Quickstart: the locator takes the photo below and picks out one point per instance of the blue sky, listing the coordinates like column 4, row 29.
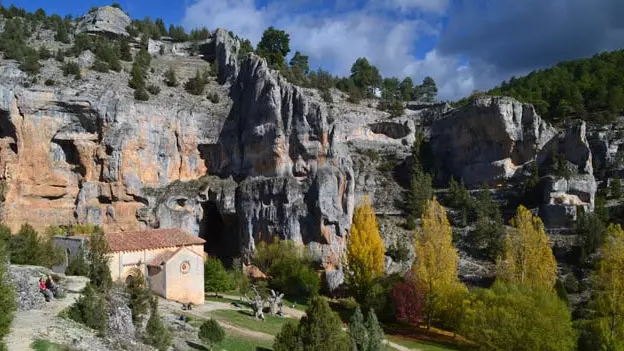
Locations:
column 464, row 44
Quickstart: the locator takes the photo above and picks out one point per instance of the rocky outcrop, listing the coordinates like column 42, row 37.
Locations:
column 25, row 279
column 105, row 20
column 606, row 146
column 226, row 50
column 488, row 140
column 297, row 179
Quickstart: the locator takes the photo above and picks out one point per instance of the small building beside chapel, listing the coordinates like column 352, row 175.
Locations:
column 171, row 260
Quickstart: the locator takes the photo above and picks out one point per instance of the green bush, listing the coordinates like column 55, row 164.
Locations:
column 327, row 96
column 44, row 53
column 139, row 295
column 398, row 252
column 616, row 188
column 100, row 66
column 71, row 67
column 141, row 94
column 90, row 309
column 170, row 77
column 49, row 82
column 196, row 84
column 153, row 89
column 30, row 64
column 319, row 329
column 60, row 56
column 211, row 333
column 7, row 294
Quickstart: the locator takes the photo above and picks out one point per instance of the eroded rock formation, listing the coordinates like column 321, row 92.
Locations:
column 105, row 20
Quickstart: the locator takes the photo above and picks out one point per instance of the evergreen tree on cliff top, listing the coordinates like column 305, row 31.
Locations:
column 274, row 46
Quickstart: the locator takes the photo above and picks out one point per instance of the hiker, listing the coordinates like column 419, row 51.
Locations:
column 51, row 285
column 44, row 290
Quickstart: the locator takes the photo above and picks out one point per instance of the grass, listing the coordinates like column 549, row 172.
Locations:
column 234, row 342
column 244, row 319
column 45, row 345
column 418, row 344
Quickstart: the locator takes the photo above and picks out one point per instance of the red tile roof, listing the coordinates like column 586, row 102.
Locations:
column 151, row 239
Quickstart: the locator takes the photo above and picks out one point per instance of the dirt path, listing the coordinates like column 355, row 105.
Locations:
column 200, row 311
column 28, row 325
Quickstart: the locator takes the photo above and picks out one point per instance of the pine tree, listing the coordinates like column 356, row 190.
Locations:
column 374, row 331
column 140, row 295
column 435, row 267
column 137, row 80
column 489, row 228
column 156, row 333
column 616, row 188
column 170, row 77
column 319, row 329
column 211, row 333
column 357, row 330
column 99, row 272
column 527, row 258
column 421, row 188
column 124, row 50
column 365, row 249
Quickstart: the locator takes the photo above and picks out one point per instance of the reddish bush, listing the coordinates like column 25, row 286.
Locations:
column 408, row 302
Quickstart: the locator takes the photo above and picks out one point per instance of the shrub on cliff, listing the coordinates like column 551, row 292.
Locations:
column 89, row 309
column 7, row 296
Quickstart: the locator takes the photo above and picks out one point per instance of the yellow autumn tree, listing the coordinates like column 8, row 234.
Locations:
column 435, row 266
column 608, row 302
column 365, row 249
column 527, row 257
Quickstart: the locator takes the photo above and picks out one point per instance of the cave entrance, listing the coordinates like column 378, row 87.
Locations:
column 220, row 232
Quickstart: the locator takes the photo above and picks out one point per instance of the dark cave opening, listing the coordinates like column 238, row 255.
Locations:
column 7, row 129
column 71, row 154
column 220, row 232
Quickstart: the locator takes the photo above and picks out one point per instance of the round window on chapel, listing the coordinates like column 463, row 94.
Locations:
column 185, row 267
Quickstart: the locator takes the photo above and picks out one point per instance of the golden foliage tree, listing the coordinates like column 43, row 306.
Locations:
column 609, row 288
column 365, row 249
column 527, row 257
column 435, row 267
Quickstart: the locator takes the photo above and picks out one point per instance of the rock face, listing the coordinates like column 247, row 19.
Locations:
column 105, row 20
column 488, row 140
column 297, row 179
column 26, row 282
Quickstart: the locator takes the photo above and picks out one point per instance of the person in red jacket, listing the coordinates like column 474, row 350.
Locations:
column 42, row 288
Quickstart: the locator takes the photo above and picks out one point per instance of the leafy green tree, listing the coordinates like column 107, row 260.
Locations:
column 216, row 278
column 406, row 89
column 365, row 76
column 98, row 257
column 529, row 318
column 177, row 33
column 320, row 329
column 274, row 46
column 156, row 333
column 301, row 62
column 7, row 293
column 211, row 333
column 427, row 91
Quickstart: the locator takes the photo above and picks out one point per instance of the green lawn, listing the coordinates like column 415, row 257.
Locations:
column 287, row 303
column 244, row 319
column 419, row 345
column 45, row 345
column 235, row 342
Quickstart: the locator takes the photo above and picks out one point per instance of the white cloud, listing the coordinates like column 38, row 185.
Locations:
column 438, row 7
column 335, row 41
